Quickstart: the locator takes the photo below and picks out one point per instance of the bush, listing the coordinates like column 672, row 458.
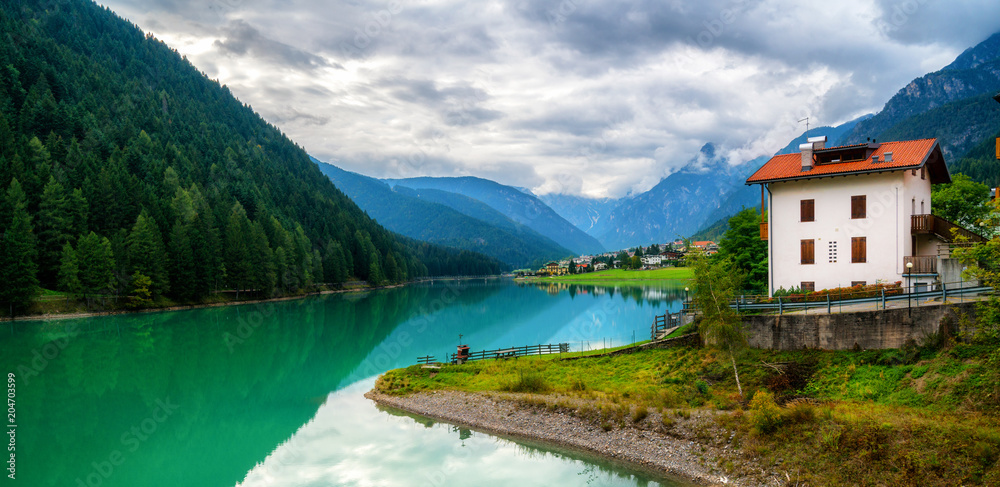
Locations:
column 640, row 414
column 530, row 382
column 764, row 413
column 702, row 386
column 800, row 412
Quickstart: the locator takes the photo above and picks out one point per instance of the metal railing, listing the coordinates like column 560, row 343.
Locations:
column 784, row 304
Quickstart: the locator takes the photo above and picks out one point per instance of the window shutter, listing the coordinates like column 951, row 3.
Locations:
column 808, row 252
column 858, row 207
column 859, row 250
column 807, row 210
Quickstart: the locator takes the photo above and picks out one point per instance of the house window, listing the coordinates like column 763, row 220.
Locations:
column 807, row 210
column 859, row 250
column 808, row 252
column 859, row 283
column 859, row 208
column 808, row 286
column 832, row 252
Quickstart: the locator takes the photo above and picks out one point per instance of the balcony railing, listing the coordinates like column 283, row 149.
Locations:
column 763, row 230
column 922, row 264
column 932, row 224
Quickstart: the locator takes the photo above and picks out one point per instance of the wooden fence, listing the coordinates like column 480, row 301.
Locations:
column 514, row 352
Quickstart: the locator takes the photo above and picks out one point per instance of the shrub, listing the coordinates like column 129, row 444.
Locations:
column 578, row 385
column 800, row 412
column 530, row 382
column 702, row 386
column 764, row 413
column 639, row 414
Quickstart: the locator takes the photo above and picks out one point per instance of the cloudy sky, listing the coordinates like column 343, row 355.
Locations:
column 571, row 96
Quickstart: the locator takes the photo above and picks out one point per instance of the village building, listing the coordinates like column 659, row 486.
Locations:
column 652, row 260
column 856, row 214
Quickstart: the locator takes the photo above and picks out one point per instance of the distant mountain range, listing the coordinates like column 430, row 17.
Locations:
column 522, row 207
column 952, row 105
column 446, row 218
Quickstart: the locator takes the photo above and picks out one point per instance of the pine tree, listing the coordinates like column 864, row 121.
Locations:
column 261, row 261
column 18, row 268
column 54, row 229
column 238, row 264
column 146, row 253
column 334, row 266
column 182, row 268
column 69, row 270
column 96, row 262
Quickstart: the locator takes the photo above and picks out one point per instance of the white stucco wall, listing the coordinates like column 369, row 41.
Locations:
column 891, row 197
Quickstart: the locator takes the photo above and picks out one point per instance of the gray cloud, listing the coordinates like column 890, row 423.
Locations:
column 529, row 92
column 242, row 39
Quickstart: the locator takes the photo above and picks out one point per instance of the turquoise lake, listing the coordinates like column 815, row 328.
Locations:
column 270, row 394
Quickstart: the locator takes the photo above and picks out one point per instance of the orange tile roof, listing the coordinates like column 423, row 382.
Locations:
column 909, row 154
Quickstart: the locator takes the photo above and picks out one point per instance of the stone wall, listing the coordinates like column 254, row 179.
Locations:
column 891, row 328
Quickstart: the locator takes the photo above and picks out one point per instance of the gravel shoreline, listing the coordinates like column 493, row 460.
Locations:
column 690, row 449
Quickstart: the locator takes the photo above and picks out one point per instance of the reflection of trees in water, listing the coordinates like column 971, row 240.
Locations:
column 654, row 294
column 245, row 378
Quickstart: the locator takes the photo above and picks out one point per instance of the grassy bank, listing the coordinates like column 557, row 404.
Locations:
column 918, row 416
column 622, row 276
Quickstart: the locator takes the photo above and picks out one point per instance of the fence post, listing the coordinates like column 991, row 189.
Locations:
column 944, row 293
column 828, row 309
column 883, row 299
column 781, row 309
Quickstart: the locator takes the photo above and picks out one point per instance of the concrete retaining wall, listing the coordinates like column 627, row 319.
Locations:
column 891, row 328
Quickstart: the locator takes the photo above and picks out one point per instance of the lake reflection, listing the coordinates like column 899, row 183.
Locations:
column 214, row 396
column 421, row 453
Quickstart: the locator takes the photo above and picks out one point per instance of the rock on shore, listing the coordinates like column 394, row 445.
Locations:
column 691, row 448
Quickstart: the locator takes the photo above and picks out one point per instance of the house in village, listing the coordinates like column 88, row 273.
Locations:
column 708, row 246
column 856, row 214
column 652, row 260
column 554, row 269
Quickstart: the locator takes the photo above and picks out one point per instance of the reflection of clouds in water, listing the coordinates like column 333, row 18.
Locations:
column 350, row 442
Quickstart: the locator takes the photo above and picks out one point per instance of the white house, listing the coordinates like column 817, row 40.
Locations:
column 651, row 259
column 856, row 214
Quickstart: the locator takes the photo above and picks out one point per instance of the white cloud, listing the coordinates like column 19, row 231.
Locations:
column 599, row 98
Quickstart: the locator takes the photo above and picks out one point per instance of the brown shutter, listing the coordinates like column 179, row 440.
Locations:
column 808, row 252
column 858, row 207
column 807, row 210
column 859, row 250
column 808, row 286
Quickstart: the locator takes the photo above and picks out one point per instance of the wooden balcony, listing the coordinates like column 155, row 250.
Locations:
column 922, row 264
column 935, row 225
column 763, row 230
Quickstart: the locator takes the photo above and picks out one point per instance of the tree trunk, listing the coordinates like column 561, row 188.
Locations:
column 735, row 372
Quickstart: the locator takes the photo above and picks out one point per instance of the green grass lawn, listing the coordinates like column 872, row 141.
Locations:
column 623, row 276
column 917, row 416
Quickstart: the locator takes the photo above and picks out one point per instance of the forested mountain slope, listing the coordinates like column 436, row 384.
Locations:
column 120, row 162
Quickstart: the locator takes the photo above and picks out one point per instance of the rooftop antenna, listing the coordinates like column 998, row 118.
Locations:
column 806, row 120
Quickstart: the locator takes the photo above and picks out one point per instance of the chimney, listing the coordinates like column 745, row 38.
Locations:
column 818, row 142
column 887, row 156
column 807, row 156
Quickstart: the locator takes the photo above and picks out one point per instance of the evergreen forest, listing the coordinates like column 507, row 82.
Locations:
column 126, row 172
